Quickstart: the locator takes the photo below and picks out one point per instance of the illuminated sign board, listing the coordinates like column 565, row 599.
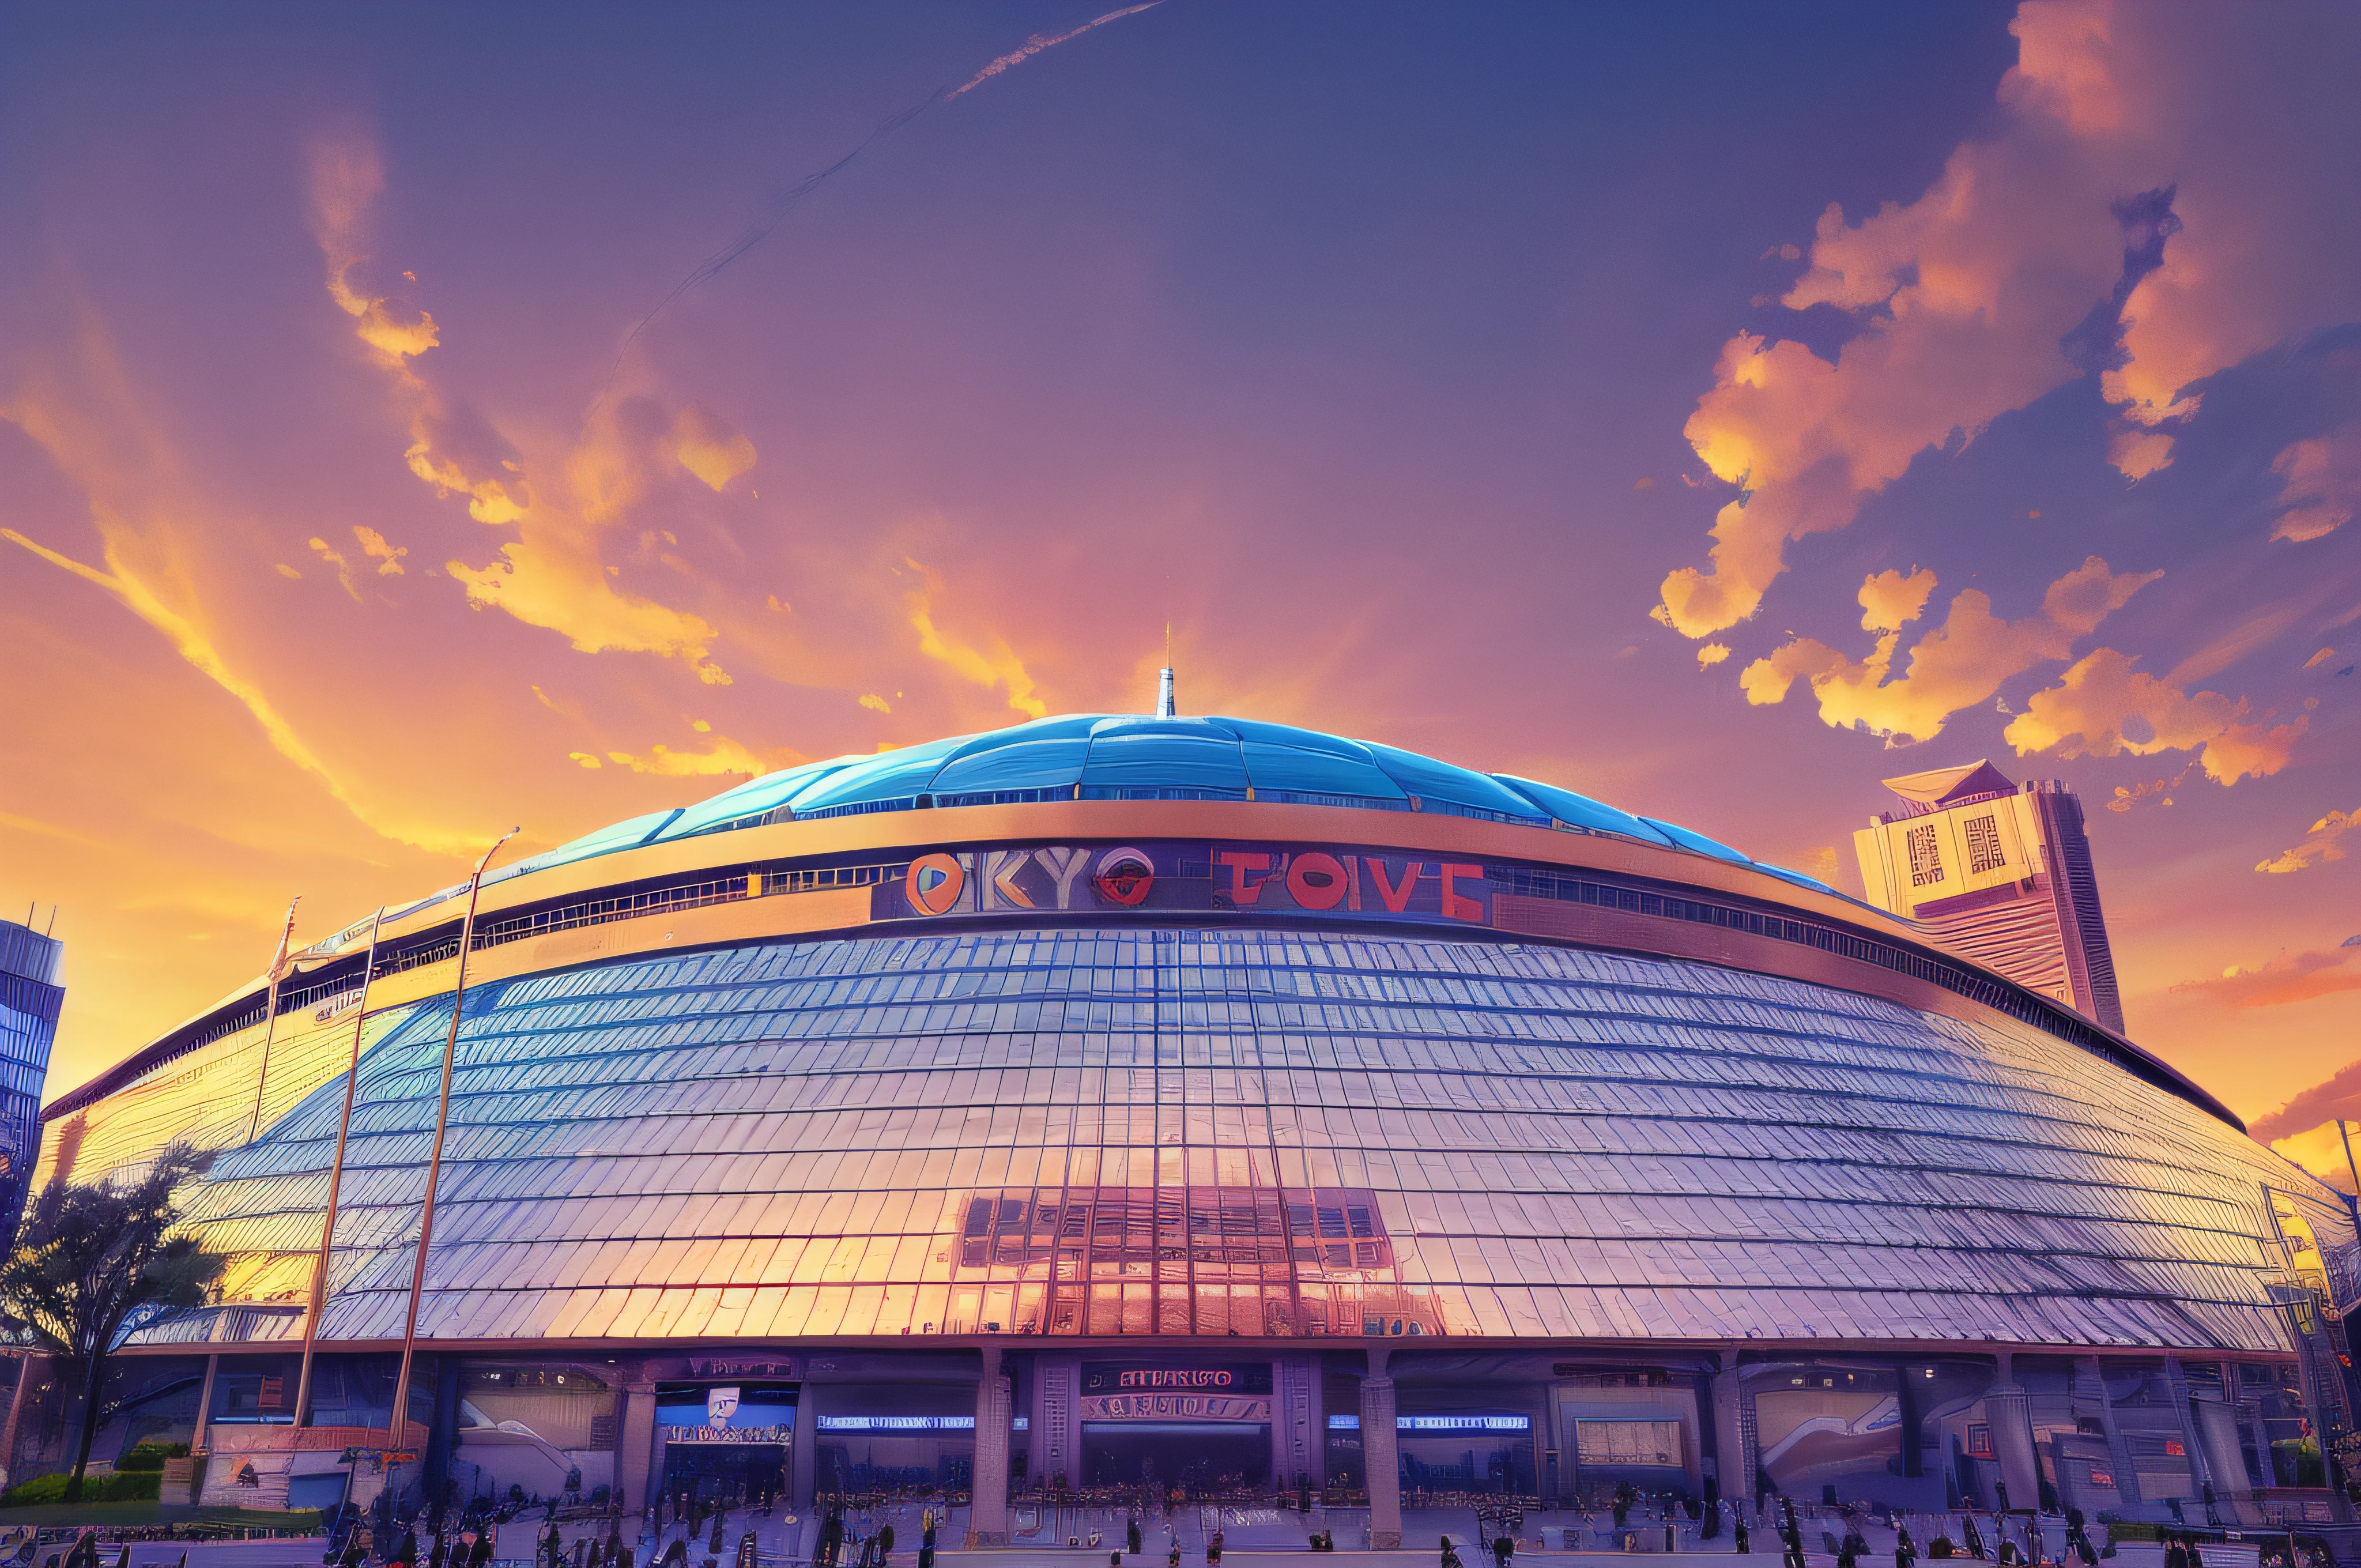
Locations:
column 1123, row 1376
column 1441, row 1423
column 1130, row 1391
column 726, row 1413
column 1159, row 875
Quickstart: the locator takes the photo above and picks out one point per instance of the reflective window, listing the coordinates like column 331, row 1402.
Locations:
column 1165, row 1132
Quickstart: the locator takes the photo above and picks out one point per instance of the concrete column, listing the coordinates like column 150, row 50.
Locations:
column 803, row 1455
column 636, row 1448
column 1733, row 1466
column 2010, row 1410
column 1557, row 1472
column 205, row 1406
column 1295, row 1447
column 2216, row 1427
column 2119, row 1452
column 988, row 1516
column 1381, row 1463
column 1057, row 1431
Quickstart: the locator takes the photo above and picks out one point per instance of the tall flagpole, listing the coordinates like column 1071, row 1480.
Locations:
column 271, row 1016
column 397, row 1417
column 336, row 1180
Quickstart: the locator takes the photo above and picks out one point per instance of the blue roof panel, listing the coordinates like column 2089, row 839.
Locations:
column 1180, row 754
column 1281, row 758
column 1581, row 811
column 1431, row 779
column 1685, row 839
column 888, row 775
column 1046, row 754
column 1135, row 756
column 607, row 840
column 752, row 798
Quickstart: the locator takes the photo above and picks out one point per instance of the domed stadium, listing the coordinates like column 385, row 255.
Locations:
column 1216, row 1107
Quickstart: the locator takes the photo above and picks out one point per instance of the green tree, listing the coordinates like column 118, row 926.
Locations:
column 94, row 1263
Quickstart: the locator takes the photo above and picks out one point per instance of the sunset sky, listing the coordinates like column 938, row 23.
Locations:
column 416, row 423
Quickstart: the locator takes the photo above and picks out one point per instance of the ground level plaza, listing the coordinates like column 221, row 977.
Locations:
column 1380, row 1438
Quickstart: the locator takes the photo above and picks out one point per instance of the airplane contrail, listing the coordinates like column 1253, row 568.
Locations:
column 787, row 201
column 1037, row 43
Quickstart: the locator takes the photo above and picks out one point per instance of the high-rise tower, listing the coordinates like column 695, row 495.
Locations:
column 2001, row 873
column 29, row 999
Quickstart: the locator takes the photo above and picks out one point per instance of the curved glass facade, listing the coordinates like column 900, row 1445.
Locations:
column 1109, row 1100
column 1189, row 1131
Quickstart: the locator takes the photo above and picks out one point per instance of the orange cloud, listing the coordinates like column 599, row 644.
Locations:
column 328, row 554
column 196, row 646
column 2290, row 978
column 1890, row 600
column 994, row 665
column 2103, row 707
column 726, row 756
column 387, row 556
column 1964, row 297
column 552, row 575
column 2338, row 1096
column 2322, row 844
column 345, row 178
column 1958, row 665
column 709, row 449
column 2321, row 484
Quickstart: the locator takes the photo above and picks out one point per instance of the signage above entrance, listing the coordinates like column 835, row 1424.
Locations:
column 1441, row 1423
column 1252, row 1408
column 1127, row 1376
column 737, row 1413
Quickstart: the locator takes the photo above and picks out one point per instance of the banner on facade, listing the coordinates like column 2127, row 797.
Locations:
column 1251, row 1407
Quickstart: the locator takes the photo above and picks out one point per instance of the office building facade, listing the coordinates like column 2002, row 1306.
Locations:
column 2000, row 874
column 31, row 994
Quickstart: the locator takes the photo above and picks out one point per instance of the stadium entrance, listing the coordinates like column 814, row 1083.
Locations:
column 1202, row 1431
column 725, row 1442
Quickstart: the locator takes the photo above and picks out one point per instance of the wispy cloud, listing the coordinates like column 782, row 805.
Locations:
column 2289, row 978
column 2321, row 484
column 552, row 574
column 196, row 646
column 2324, row 843
column 723, row 756
column 2338, row 1095
column 993, row 664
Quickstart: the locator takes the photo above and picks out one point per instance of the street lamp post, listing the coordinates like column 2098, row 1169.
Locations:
column 395, row 1418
